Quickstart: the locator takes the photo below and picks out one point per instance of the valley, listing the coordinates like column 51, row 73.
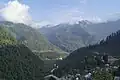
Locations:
column 59, row 40
column 28, row 46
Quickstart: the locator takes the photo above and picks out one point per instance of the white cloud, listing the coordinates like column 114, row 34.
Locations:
column 16, row 12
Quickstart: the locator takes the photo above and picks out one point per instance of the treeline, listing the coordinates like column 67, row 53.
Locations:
column 17, row 62
column 75, row 60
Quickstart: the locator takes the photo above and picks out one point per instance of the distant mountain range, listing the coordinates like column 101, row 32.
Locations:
column 70, row 37
column 102, row 30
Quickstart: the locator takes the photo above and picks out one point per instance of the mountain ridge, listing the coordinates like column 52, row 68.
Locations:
column 68, row 37
column 31, row 38
column 82, row 32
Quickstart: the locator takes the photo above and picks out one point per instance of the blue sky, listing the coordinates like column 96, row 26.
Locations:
column 57, row 11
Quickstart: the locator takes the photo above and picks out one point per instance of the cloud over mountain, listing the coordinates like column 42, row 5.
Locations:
column 16, row 12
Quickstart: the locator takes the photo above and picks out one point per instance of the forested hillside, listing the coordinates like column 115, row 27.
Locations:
column 17, row 62
column 76, row 59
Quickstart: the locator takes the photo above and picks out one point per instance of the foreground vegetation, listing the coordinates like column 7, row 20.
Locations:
column 17, row 62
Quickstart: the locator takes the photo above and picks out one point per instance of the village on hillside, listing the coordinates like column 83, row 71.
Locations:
column 107, row 69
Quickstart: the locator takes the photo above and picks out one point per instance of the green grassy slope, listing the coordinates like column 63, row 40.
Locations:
column 31, row 38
